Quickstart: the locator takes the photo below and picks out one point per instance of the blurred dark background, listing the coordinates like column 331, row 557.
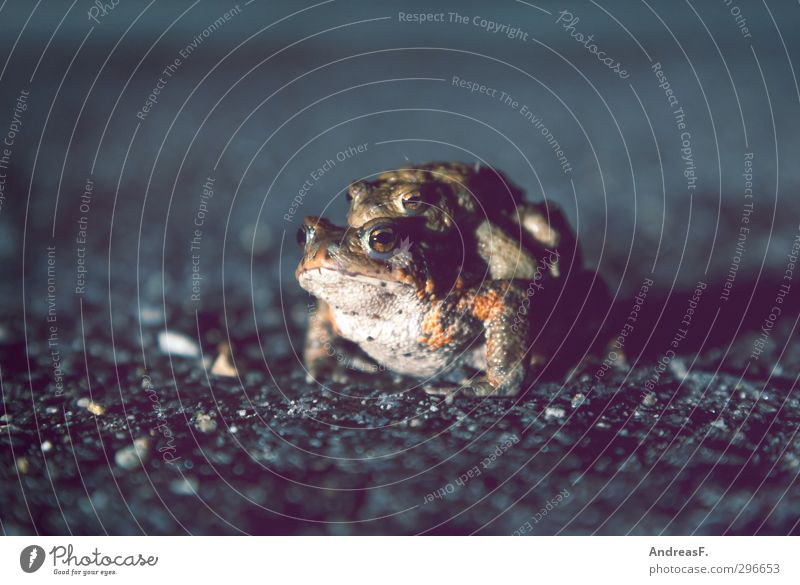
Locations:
column 271, row 94
column 261, row 94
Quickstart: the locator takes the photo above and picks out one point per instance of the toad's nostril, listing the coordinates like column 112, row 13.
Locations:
column 305, row 234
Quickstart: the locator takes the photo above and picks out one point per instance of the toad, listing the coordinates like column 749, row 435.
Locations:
column 484, row 209
column 392, row 296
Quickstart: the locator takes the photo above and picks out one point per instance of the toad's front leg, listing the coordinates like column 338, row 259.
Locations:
column 502, row 310
column 329, row 357
column 547, row 224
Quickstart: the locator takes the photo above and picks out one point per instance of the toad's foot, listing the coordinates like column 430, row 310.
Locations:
column 478, row 387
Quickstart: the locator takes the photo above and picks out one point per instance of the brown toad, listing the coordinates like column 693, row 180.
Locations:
column 481, row 205
column 389, row 298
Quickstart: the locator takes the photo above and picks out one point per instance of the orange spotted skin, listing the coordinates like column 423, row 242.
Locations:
column 435, row 335
column 487, row 306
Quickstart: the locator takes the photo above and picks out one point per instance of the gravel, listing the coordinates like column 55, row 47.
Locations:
column 176, row 449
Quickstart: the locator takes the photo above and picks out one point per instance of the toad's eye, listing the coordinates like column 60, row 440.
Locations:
column 304, row 235
column 382, row 239
column 412, row 200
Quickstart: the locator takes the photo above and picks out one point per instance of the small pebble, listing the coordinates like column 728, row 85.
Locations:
column 178, row 344
column 132, row 456
column 47, row 446
column 577, row 400
column 719, row 424
column 91, row 406
column 650, row 399
column 95, row 408
column 185, row 486
column 223, row 365
column 150, row 315
column 678, row 369
column 22, row 465
column 554, row 412
column 205, row 424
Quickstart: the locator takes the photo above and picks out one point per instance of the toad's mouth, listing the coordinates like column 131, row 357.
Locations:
column 353, row 292
column 314, row 276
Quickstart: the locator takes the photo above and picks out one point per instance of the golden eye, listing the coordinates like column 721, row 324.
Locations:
column 382, row 239
column 412, row 200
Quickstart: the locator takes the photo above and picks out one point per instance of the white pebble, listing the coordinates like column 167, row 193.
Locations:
column 678, row 369
column 185, row 486
column 719, row 424
column 132, row 456
column 205, row 424
column 177, row 344
column 554, row 412
column 150, row 315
